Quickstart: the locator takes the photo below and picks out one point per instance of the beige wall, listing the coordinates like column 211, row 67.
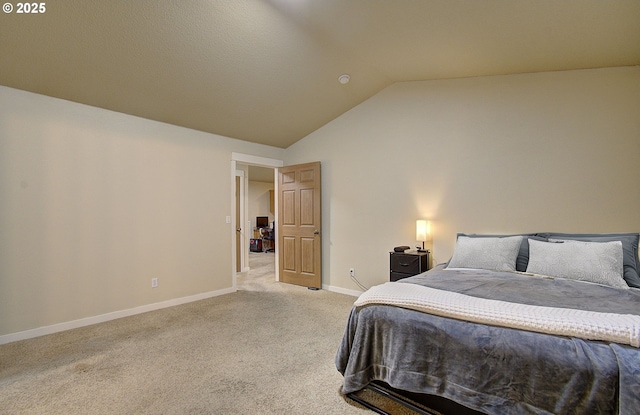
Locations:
column 93, row 204
column 535, row 152
column 259, row 201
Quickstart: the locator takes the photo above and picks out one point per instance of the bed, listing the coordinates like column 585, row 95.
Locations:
column 544, row 323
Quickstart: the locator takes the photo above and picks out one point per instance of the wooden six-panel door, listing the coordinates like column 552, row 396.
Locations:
column 299, row 225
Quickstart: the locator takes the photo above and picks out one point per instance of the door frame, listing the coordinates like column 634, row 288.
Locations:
column 240, row 210
column 248, row 159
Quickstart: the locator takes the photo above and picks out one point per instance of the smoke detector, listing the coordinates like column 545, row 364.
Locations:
column 344, row 79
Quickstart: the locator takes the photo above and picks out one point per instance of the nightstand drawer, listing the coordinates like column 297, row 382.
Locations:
column 406, row 264
column 395, row 276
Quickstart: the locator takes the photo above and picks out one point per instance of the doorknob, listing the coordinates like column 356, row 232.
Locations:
column 238, row 229
column 316, row 232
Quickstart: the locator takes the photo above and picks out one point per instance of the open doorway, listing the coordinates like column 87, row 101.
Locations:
column 255, row 208
column 260, row 205
column 257, row 205
column 297, row 213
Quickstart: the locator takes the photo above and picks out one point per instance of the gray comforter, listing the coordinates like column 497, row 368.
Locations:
column 493, row 369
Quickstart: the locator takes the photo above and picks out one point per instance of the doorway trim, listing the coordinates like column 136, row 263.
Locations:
column 240, row 210
column 248, row 159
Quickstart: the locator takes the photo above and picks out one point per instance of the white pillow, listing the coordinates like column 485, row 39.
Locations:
column 599, row 262
column 497, row 254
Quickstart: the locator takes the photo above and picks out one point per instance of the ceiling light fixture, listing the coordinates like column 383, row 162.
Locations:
column 344, row 79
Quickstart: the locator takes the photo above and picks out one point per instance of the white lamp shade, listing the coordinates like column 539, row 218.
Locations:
column 422, row 230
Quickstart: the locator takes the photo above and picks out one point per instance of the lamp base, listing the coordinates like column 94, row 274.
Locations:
column 421, row 249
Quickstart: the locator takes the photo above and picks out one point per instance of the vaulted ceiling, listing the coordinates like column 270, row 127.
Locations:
column 267, row 71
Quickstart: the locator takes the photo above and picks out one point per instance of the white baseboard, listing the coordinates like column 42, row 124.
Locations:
column 353, row 293
column 74, row 324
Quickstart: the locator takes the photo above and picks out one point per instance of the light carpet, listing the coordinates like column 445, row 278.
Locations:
column 267, row 349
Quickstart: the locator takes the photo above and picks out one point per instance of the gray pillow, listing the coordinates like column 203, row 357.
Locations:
column 523, row 255
column 631, row 263
column 497, row 254
column 599, row 262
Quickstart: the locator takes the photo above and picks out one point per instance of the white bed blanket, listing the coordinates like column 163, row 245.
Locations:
column 590, row 325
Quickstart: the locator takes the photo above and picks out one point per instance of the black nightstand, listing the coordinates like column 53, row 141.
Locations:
column 408, row 263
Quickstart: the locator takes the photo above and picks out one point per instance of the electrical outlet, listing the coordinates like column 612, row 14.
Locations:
column 352, row 272
column 154, row 283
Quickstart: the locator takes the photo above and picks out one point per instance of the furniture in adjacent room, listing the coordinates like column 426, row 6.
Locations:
column 255, row 244
column 268, row 239
column 262, row 222
column 263, row 236
column 407, row 264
